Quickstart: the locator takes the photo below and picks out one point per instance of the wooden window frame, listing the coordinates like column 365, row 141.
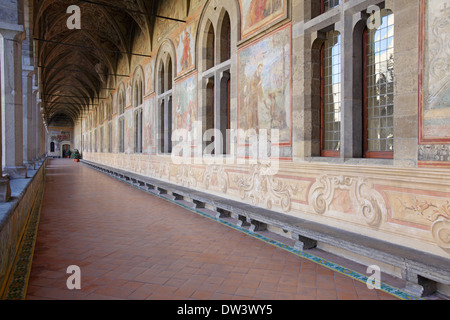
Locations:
column 366, row 153
column 324, row 153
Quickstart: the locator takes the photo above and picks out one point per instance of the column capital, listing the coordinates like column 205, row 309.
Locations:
column 14, row 32
column 28, row 70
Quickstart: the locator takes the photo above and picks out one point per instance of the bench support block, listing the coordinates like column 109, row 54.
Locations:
column 198, row 204
column 420, row 286
column 242, row 222
column 222, row 213
column 303, row 243
column 257, row 226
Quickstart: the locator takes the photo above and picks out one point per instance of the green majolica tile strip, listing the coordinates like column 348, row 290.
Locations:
column 330, row 265
column 17, row 286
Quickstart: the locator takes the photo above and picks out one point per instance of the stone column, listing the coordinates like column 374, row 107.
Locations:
column 12, row 102
column 27, row 75
column 34, row 118
column 41, row 137
column 345, row 28
column 5, row 189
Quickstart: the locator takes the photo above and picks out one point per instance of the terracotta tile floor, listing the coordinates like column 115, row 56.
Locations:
column 131, row 245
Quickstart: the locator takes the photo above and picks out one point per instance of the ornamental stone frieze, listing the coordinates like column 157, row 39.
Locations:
column 216, row 176
column 262, row 188
column 187, row 176
column 434, row 153
column 367, row 201
column 431, row 212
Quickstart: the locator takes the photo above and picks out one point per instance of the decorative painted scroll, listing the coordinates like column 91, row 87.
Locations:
column 266, row 189
column 361, row 197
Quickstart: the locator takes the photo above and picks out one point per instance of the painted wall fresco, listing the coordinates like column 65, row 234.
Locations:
column 436, row 99
column 265, row 85
column 148, row 71
column 129, row 131
column 259, row 13
column 185, row 46
column 128, row 95
column 176, row 9
column 186, row 105
column 148, row 134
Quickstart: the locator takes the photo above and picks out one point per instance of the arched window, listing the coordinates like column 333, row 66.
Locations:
column 138, row 92
column 225, row 39
column 121, row 109
column 121, row 101
column 102, row 137
column 138, row 130
column 165, row 93
column 330, row 96
column 210, row 85
column 215, row 52
column 378, row 111
column 329, row 4
column 138, row 100
column 95, row 140
column 109, row 114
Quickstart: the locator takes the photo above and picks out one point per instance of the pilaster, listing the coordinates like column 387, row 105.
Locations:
column 12, row 102
column 27, row 76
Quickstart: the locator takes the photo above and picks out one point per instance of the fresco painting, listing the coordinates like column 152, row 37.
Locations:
column 186, row 105
column 185, row 49
column 148, row 71
column 128, row 95
column 129, row 131
column 265, row 85
column 436, row 108
column 149, row 127
column 258, row 13
column 176, row 9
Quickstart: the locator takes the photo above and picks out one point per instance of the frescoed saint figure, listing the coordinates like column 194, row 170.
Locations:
column 186, row 59
column 264, row 86
column 257, row 93
column 256, row 12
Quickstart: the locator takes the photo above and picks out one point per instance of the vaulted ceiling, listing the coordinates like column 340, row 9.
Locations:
column 76, row 65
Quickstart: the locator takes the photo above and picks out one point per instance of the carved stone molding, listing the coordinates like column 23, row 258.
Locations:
column 186, row 176
column 216, row 174
column 434, row 153
column 266, row 189
column 365, row 199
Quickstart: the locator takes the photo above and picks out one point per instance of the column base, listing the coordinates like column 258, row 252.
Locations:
column 36, row 163
column 30, row 165
column 16, row 172
column 5, row 190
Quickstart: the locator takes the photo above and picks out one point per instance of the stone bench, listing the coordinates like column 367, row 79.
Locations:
column 420, row 270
